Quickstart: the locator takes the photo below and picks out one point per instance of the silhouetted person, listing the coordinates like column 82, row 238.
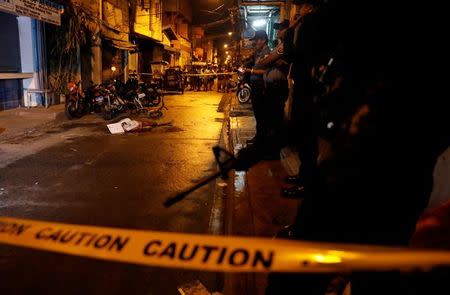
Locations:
column 257, row 85
column 276, row 92
column 302, row 42
column 377, row 180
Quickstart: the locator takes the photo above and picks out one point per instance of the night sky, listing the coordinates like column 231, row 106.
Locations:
column 201, row 8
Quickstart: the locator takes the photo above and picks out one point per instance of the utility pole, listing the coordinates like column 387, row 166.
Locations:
column 96, row 58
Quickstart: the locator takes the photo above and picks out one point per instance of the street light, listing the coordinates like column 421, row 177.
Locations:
column 259, row 22
column 225, row 46
column 230, row 33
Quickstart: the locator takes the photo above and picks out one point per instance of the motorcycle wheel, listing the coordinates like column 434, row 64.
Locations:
column 181, row 87
column 107, row 113
column 244, row 95
column 155, row 101
column 72, row 110
column 97, row 108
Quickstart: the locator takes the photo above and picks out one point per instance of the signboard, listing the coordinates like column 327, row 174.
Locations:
column 42, row 10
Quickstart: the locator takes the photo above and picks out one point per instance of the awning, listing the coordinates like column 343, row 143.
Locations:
column 145, row 43
column 118, row 39
column 171, row 49
column 6, row 76
column 170, row 33
column 120, row 44
column 143, row 38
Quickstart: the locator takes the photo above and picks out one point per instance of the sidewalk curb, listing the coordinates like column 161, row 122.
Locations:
column 254, row 205
column 217, row 217
column 40, row 117
column 236, row 283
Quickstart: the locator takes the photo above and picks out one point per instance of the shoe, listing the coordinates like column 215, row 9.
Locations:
column 293, row 179
column 295, row 192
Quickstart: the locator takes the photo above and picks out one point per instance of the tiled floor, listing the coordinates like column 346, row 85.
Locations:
column 258, row 208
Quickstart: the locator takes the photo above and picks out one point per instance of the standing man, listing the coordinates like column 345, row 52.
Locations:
column 226, row 79
column 303, row 47
column 206, row 78
column 220, row 79
column 212, row 78
column 257, row 84
column 376, row 182
column 277, row 91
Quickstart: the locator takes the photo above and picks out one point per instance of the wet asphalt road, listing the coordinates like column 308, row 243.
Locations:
column 86, row 176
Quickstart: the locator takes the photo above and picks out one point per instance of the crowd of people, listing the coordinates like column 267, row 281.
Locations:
column 357, row 72
column 203, row 78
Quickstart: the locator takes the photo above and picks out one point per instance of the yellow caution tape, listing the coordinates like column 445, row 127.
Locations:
column 208, row 74
column 210, row 253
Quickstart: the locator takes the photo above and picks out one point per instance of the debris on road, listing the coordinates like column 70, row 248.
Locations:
column 122, row 126
column 128, row 125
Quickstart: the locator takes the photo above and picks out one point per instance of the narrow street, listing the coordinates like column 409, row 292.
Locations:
column 81, row 174
column 200, row 147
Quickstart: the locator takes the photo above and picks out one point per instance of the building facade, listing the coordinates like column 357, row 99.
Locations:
column 177, row 21
column 120, row 36
column 22, row 60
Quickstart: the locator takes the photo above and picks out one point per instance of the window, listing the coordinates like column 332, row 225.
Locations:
column 146, row 4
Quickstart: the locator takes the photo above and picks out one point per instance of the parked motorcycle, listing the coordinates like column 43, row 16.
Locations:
column 232, row 83
column 79, row 103
column 113, row 105
column 124, row 97
column 95, row 97
column 113, row 98
column 139, row 93
column 244, row 91
column 75, row 104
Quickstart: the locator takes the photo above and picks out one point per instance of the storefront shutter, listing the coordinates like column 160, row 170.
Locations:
column 10, row 49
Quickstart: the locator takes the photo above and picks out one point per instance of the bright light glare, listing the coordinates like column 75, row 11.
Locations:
column 230, row 33
column 327, row 258
column 225, row 45
column 259, row 22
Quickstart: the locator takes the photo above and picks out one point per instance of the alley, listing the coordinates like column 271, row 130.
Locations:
column 81, row 174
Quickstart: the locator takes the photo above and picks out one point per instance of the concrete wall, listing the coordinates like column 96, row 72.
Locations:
column 184, row 7
column 149, row 22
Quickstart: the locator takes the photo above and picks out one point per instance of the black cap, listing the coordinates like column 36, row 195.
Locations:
column 281, row 25
column 260, row 34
